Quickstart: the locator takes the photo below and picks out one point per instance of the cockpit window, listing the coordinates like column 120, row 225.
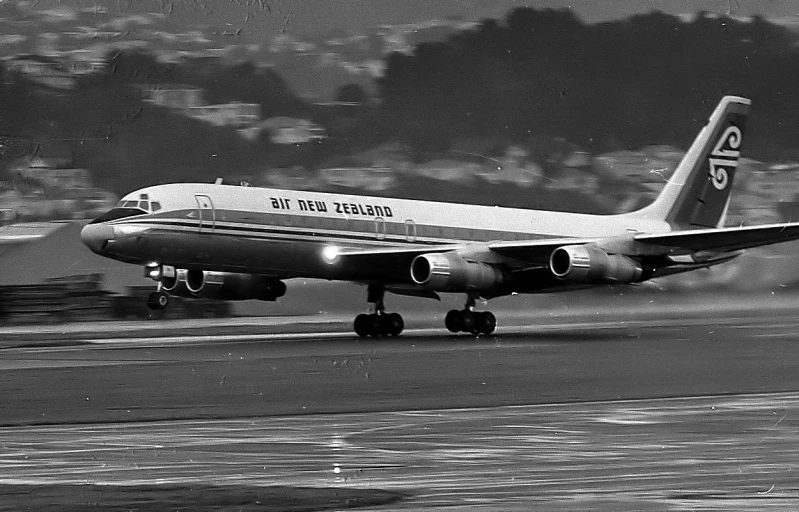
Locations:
column 118, row 213
column 142, row 203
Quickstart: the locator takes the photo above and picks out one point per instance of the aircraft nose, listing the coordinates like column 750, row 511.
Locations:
column 96, row 236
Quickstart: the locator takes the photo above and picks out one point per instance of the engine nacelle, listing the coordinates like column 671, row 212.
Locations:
column 585, row 264
column 174, row 281
column 223, row 285
column 448, row 272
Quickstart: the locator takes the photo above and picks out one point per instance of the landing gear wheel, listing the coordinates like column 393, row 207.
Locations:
column 453, row 320
column 362, row 325
column 468, row 320
column 375, row 323
column 378, row 323
column 486, row 323
column 157, row 300
column 393, row 324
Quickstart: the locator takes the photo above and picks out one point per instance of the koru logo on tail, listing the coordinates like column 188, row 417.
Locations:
column 724, row 158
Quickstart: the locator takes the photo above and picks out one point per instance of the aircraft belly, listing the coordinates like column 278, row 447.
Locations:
column 282, row 258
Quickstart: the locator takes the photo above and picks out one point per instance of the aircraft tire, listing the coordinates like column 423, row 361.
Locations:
column 375, row 325
column 362, row 325
column 468, row 320
column 157, row 300
column 453, row 321
column 486, row 323
column 393, row 324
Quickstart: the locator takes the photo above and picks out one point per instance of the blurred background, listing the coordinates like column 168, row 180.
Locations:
column 571, row 106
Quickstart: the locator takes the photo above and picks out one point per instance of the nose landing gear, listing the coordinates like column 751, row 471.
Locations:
column 468, row 320
column 378, row 323
column 157, row 300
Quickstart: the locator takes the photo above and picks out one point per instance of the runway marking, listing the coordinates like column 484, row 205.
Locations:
column 777, row 335
column 194, row 339
column 503, row 330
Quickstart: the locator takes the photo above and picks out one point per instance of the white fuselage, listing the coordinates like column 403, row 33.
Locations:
column 284, row 233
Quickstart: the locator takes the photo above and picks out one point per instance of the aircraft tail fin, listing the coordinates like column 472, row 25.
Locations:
column 698, row 193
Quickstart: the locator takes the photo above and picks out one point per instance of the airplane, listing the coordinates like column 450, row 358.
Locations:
column 235, row 242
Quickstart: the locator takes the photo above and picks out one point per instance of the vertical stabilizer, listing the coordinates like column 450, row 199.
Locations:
column 698, row 192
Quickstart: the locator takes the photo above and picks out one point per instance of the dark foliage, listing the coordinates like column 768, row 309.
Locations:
column 106, row 126
column 534, row 76
column 649, row 79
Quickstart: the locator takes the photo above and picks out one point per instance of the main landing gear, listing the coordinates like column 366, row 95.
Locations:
column 468, row 320
column 378, row 323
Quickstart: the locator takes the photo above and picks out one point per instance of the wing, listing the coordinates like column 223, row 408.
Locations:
column 721, row 239
column 393, row 263
column 535, row 253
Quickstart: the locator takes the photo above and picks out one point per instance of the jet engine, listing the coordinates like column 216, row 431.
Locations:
column 223, row 285
column 584, row 264
column 448, row 272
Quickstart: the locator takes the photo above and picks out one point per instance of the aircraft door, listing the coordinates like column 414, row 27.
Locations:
column 205, row 213
column 410, row 230
column 380, row 228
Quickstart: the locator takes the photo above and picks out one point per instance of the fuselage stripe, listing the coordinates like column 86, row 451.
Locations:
column 376, row 231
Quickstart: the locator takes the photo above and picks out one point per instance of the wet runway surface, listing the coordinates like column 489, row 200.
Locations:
column 714, row 453
column 695, row 411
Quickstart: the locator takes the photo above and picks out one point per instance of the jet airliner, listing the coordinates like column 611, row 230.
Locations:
column 239, row 243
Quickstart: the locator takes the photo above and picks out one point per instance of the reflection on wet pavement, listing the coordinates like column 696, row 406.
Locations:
column 711, row 453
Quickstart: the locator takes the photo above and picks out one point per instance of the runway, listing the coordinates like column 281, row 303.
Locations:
column 693, row 411
column 714, row 453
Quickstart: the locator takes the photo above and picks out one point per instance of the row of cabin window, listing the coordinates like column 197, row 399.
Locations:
column 382, row 228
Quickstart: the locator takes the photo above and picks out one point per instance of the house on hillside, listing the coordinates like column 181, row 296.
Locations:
column 234, row 114
column 49, row 188
column 290, row 178
column 181, row 97
column 189, row 101
column 455, row 171
column 364, row 178
column 649, row 167
column 50, row 172
column 43, row 71
column 768, row 192
column 514, row 167
column 291, row 130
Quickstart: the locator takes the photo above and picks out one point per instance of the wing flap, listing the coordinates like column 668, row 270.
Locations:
column 535, row 253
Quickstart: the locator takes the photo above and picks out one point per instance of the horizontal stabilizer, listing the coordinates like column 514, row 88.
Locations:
column 723, row 239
